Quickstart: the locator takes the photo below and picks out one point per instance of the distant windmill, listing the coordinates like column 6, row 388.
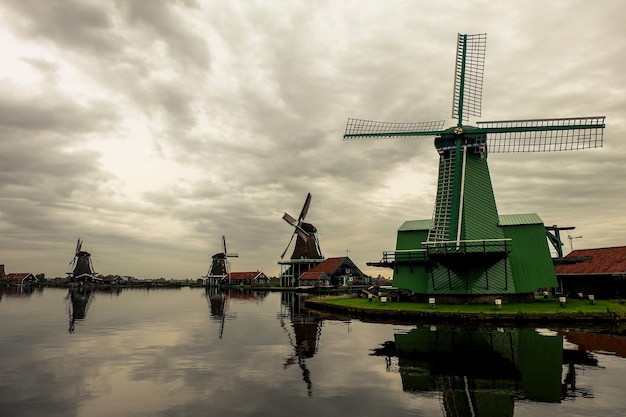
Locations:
column 307, row 242
column 306, row 253
column 220, row 265
column 81, row 263
column 571, row 239
column 466, row 248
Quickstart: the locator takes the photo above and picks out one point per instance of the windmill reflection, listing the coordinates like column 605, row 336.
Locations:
column 304, row 334
column 482, row 372
column 217, row 306
column 79, row 298
column 219, row 298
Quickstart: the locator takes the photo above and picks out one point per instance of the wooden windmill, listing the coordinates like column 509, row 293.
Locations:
column 306, row 252
column 466, row 248
column 82, row 267
column 220, row 266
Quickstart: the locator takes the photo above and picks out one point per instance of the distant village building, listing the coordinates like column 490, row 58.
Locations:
column 600, row 271
column 20, row 278
column 245, row 278
column 110, row 279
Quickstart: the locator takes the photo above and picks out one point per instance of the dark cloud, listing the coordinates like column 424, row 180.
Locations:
column 77, row 24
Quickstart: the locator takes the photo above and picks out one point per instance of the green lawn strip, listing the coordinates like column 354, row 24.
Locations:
column 550, row 306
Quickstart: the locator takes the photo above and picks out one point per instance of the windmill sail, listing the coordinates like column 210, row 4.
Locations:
column 468, row 76
column 358, row 128
column 543, row 135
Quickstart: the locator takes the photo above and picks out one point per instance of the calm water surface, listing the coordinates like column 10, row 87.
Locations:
column 191, row 353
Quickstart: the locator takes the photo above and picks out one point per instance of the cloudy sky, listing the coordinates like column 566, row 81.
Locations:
column 149, row 129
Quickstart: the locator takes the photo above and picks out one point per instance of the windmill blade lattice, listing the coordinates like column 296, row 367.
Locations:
column 79, row 244
column 305, row 208
column 228, row 255
column 544, row 135
column 358, row 128
column 468, row 76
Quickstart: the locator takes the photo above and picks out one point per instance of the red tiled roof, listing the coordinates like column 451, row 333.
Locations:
column 604, row 261
column 312, row 276
column 16, row 277
column 328, row 266
column 241, row 276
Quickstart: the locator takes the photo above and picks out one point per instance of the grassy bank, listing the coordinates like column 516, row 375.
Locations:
column 542, row 310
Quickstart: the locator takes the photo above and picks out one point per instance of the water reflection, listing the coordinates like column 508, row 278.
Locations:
column 483, row 372
column 157, row 353
column 78, row 301
column 18, row 290
column 597, row 342
column 218, row 299
column 303, row 331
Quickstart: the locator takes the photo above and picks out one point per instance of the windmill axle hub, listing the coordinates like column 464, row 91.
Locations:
column 449, row 141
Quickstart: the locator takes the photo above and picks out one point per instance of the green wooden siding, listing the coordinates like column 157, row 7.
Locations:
column 410, row 236
column 531, row 262
column 482, row 277
column 527, row 267
column 480, row 215
column 411, row 239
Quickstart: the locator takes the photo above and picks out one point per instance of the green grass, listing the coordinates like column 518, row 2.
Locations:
column 540, row 306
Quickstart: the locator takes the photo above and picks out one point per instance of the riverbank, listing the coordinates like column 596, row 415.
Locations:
column 542, row 311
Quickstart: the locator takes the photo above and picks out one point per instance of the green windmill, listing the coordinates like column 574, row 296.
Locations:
column 466, row 251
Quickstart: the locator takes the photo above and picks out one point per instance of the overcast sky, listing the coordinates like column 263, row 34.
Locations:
column 149, row 129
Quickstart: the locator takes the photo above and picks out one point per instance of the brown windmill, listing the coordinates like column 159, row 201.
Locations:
column 307, row 252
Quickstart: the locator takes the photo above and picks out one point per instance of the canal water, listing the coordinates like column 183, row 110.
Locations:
column 189, row 352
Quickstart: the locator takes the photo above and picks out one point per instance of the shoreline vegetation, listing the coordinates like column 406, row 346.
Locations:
column 542, row 311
